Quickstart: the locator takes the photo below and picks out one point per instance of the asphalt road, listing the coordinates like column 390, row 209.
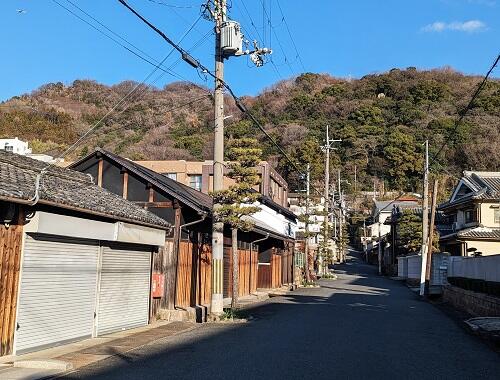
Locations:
column 359, row 326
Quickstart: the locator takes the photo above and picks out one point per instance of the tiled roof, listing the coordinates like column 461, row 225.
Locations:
column 483, row 185
column 266, row 200
column 66, row 188
column 191, row 197
column 480, row 233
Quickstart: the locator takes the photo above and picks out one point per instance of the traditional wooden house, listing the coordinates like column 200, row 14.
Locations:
column 183, row 266
column 75, row 260
column 185, row 262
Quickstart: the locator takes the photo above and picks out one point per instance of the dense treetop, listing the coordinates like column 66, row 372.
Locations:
column 382, row 119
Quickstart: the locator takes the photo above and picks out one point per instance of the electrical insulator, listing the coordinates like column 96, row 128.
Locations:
column 231, row 38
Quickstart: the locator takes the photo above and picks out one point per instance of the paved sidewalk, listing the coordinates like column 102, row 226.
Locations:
column 76, row 355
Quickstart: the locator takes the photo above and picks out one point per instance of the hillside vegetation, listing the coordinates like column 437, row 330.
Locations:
column 382, row 120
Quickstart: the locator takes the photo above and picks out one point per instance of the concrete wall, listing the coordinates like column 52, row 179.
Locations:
column 409, row 268
column 480, row 268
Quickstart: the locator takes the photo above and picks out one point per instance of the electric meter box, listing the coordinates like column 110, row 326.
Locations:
column 231, row 38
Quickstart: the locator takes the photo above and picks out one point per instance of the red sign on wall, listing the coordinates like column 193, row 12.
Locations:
column 158, row 285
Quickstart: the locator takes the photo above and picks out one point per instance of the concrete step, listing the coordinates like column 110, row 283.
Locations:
column 49, row 364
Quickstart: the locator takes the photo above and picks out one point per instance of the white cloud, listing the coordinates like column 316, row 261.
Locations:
column 458, row 26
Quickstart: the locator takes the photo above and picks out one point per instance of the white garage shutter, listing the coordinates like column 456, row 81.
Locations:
column 123, row 299
column 58, row 292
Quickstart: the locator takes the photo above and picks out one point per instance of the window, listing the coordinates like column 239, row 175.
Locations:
column 9, row 148
column 195, row 182
column 171, row 176
column 469, row 216
column 497, row 215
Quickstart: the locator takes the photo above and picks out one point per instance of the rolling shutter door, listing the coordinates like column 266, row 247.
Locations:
column 58, row 291
column 123, row 288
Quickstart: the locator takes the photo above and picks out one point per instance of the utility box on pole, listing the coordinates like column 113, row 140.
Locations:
column 231, row 38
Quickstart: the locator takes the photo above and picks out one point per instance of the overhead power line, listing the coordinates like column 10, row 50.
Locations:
column 462, row 113
column 150, row 61
column 197, row 64
column 124, row 98
column 277, row 38
column 291, row 37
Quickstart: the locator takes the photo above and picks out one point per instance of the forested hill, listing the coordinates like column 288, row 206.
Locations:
column 382, row 120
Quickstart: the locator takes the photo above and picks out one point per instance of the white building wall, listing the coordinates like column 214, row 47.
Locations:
column 15, row 146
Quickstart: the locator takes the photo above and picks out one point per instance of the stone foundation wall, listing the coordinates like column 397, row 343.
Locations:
column 477, row 304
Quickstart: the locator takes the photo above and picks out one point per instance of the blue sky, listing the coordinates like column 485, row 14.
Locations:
column 42, row 42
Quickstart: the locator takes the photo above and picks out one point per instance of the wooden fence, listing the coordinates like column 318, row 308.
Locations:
column 10, row 262
column 247, row 268
column 287, row 266
column 270, row 274
column 276, row 270
column 163, row 262
column 194, row 274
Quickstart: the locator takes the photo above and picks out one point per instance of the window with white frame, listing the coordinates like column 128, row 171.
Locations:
column 171, row 176
column 195, row 181
column 496, row 215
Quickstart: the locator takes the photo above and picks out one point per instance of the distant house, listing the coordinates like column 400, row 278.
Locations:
column 473, row 215
column 15, row 146
column 378, row 230
column 21, row 147
column 199, row 175
column 76, row 259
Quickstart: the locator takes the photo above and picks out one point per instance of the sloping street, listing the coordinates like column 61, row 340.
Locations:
column 359, row 326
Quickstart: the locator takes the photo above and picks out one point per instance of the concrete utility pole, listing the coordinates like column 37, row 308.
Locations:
column 326, row 234
column 218, row 227
column 228, row 42
column 425, row 219
column 341, row 219
column 428, row 265
column 365, row 253
column 306, row 243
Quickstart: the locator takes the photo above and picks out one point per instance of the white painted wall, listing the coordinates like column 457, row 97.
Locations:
column 15, row 146
column 275, row 220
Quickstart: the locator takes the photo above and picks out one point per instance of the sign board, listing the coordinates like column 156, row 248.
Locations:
column 158, row 285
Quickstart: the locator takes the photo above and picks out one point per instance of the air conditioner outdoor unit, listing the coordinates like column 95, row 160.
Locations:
column 231, row 38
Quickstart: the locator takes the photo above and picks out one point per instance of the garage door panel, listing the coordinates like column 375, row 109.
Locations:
column 124, row 288
column 57, row 296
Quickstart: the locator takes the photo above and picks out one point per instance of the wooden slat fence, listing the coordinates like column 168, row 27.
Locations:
column 264, row 276
column 183, row 296
column 287, row 265
column 204, row 277
column 276, row 271
column 247, row 268
column 10, row 263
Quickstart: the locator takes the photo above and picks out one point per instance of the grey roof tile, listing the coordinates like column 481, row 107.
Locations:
column 67, row 189
column 480, row 233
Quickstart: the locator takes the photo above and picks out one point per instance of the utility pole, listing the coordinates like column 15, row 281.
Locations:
column 425, row 220
column 306, row 244
column 355, row 178
column 364, row 241
column 228, row 42
column 341, row 217
column 431, row 236
column 218, row 227
column 326, row 234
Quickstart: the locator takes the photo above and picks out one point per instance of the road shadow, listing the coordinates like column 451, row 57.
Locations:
column 360, row 326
